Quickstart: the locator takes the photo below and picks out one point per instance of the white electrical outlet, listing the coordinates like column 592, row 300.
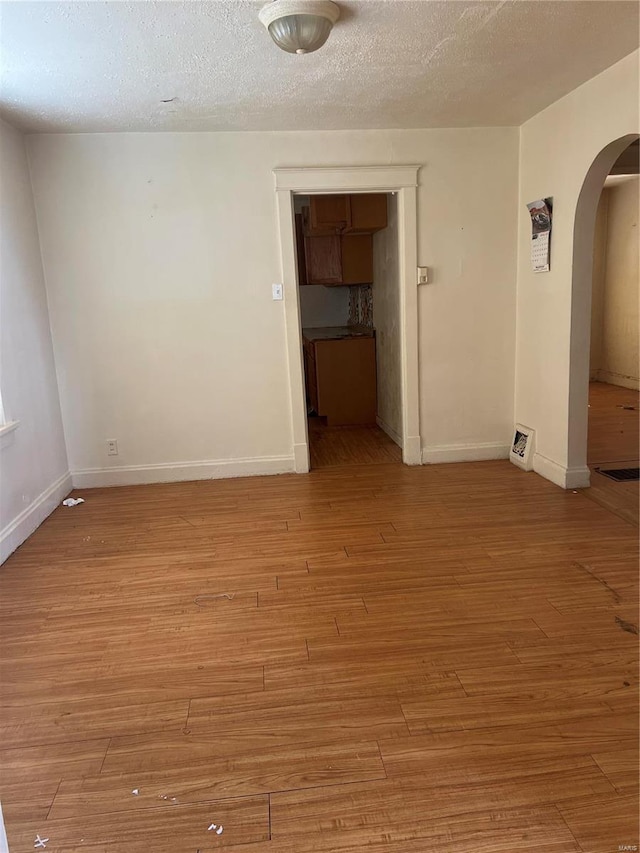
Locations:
column 112, row 447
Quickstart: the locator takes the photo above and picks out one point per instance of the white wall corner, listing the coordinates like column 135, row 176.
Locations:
column 465, row 452
column 566, row 478
column 176, row 472
column 617, row 379
column 24, row 524
column 393, row 435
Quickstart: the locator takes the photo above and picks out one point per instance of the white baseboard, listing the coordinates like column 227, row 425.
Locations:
column 618, row 379
column 23, row 525
column 390, row 431
column 301, row 458
column 412, row 450
column 465, row 452
column 174, row 472
column 566, row 478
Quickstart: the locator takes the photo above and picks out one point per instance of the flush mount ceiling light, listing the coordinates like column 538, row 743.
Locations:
column 299, row 26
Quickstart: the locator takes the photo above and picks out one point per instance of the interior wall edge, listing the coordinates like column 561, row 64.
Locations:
column 23, row 525
column 390, row 431
column 567, row 478
column 177, row 472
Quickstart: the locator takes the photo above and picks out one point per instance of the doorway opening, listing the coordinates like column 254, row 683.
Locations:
column 349, row 295
column 354, row 387
column 590, row 422
column 614, row 375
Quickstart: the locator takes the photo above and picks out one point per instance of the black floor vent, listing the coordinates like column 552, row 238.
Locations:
column 621, row 475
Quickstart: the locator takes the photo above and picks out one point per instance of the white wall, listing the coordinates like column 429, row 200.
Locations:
column 324, row 306
column 386, row 320
column 597, row 285
column 33, row 461
column 557, row 149
column 616, row 311
column 160, row 250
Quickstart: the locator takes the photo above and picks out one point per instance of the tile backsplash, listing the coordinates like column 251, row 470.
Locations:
column 361, row 305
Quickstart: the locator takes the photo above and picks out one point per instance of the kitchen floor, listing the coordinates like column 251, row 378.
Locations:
column 349, row 445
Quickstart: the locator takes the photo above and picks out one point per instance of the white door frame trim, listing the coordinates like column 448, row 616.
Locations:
column 402, row 180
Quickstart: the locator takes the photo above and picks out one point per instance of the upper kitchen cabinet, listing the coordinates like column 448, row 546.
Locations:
column 357, row 258
column 345, row 214
column 323, row 260
column 338, row 260
column 367, row 213
column 327, row 214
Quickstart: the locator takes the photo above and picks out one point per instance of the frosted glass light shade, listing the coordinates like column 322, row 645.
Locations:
column 299, row 26
column 300, row 33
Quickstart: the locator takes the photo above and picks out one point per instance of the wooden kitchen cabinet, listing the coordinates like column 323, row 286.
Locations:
column 300, row 253
column 323, row 259
column 311, row 381
column 357, row 258
column 341, row 379
column 359, row 213
column 339, row 260
column 366, row 213
column 327, row 214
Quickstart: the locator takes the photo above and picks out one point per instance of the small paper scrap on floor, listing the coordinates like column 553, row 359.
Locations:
column 72, row 501
column 218, row 829
column 40, row 842
column 135, row 792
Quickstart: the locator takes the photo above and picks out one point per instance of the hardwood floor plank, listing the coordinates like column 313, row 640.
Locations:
column 288, row 717
column 163, row 830
column 87, row 719
column 193, row 779
column 402, row 666
column 434, row 714
column 620, row 766
column 390, row 812
column 604, row 825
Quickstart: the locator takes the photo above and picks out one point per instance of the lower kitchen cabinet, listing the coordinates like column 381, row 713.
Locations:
column 341, row 379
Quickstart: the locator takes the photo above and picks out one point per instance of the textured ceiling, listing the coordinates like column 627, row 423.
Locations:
column 106, row 66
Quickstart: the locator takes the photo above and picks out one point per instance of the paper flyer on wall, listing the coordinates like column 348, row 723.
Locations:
column 540, row 212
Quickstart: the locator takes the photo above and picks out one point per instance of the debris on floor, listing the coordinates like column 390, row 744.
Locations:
column 135, row 792
column 40, row 842
column 218, row 829
column 72, row 501
column 200, row 598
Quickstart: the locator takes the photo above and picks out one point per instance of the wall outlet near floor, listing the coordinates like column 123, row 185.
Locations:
column 112, row 447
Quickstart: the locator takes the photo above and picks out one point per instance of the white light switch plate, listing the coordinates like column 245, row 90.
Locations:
column 276, row 292
column 423, row 275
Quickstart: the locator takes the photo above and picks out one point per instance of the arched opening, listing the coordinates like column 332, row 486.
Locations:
column 581, row 296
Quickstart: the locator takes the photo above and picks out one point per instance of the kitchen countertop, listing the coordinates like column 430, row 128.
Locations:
column 337, row 333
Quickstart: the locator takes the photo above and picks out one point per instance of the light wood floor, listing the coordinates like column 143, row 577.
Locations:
column 614, row 437
column 349, row 445
column 414, row 660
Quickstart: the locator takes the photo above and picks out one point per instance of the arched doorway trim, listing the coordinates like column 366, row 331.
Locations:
column 582, row 271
